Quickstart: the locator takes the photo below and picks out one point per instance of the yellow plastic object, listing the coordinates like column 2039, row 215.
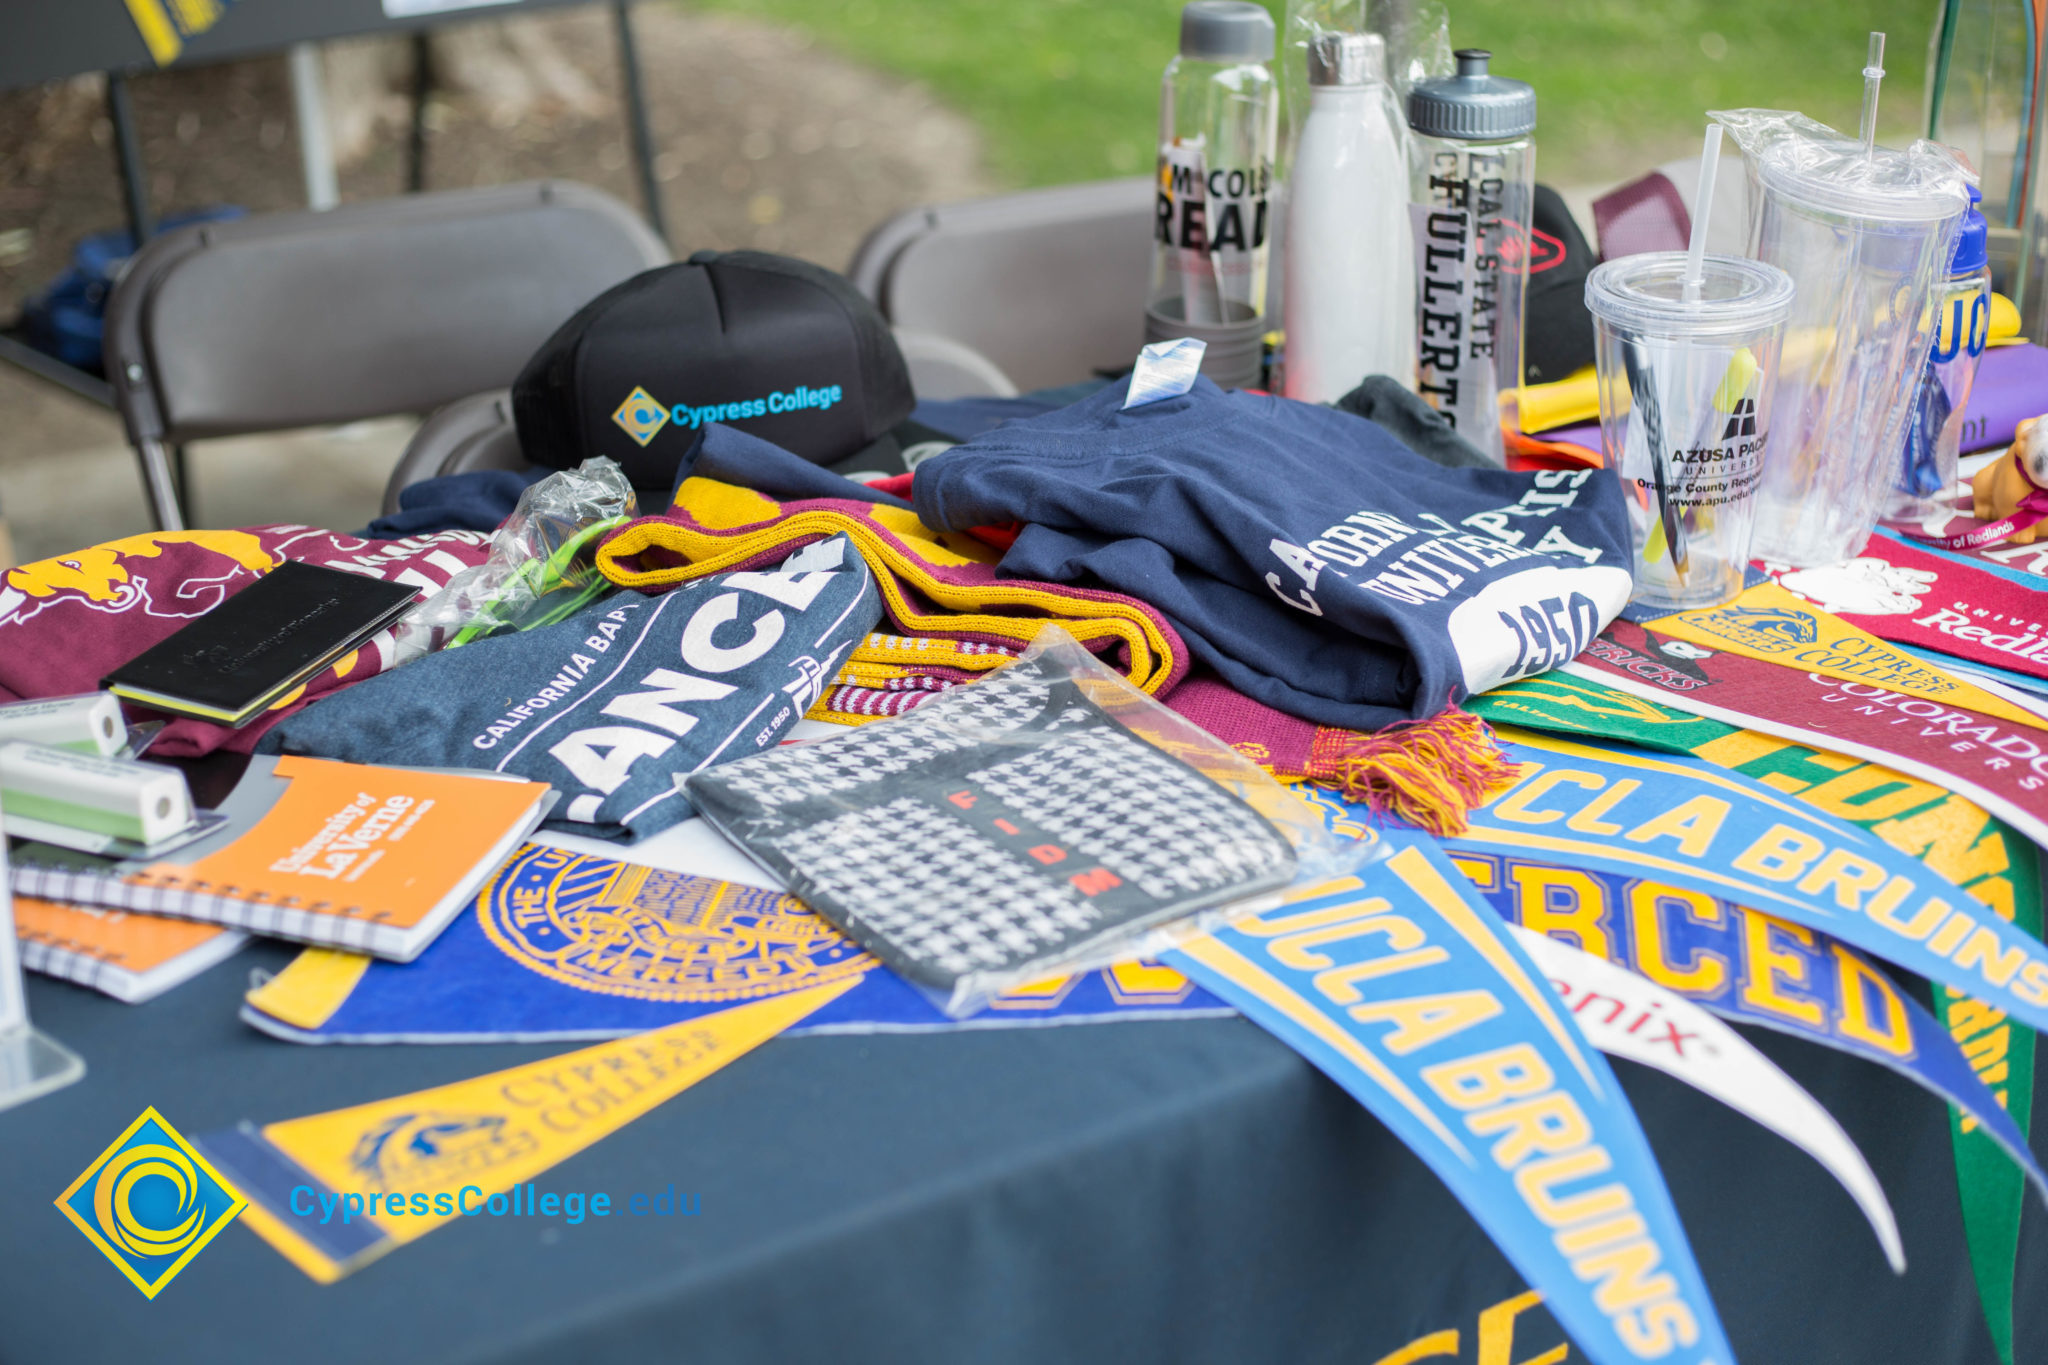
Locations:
column 1571, row 400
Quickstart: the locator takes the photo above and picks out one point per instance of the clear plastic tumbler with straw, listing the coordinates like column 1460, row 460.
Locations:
column 1686, row 348
column 1865, row 232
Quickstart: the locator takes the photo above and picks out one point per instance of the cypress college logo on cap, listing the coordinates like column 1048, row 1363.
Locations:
column 641, row 417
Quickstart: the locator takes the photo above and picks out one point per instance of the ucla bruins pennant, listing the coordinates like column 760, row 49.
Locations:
column 1407, row 991
column 1956, row 837
column 1746, row 966
column 563, row 946
column 1688, row 824
column 333, row 1192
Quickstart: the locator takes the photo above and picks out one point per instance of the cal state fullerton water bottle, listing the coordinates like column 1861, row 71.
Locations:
column 1219, row 118
column 1472, row 192
column 1962, row 324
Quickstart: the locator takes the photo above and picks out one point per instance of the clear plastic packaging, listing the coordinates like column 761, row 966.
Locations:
column 1932, row 456
column 1048, row 819
column 1866, row 235
column 541, row 566
column 1685, row 409
column 1417, row 35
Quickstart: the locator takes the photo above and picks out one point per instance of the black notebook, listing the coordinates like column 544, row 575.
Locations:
column 231, row 663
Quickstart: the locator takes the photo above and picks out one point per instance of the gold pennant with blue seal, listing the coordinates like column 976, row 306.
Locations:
column 399, row 1168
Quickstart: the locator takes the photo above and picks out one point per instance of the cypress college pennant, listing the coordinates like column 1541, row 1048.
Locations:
column 1408, row 992
column 1773, row 625
column 333, row 1192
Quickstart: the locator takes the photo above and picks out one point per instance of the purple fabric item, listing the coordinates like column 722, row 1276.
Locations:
column 1644, row 215
column 2011, row 386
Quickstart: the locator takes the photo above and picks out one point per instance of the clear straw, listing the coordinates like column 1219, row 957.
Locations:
column 1873, row 76
column 1702, row 209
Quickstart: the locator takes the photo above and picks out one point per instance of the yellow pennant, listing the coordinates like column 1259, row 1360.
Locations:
column 333, row 1192
column 1771, row 624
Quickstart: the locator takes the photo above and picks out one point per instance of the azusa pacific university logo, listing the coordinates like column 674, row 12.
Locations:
column 1742, row 421
column 150, row 1203
column 640, row 417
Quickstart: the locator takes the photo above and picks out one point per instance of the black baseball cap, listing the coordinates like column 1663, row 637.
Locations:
column 776, row 347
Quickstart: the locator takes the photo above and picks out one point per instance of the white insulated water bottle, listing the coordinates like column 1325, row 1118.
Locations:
column 1350, row 291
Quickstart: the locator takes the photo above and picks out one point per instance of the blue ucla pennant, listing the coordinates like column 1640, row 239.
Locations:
column 1746, row 966
column 1694, row 826
column 1406, row 990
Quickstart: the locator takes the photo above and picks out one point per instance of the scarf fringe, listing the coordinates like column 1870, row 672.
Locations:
column 1431, row 772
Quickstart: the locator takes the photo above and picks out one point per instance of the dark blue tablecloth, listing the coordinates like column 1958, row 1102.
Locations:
column 1185, row 1192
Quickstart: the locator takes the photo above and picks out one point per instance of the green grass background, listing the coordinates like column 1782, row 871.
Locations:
column 1068, row 89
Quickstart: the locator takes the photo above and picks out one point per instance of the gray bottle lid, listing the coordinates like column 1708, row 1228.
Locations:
column 1474, row 105
column 1226, row 31
column 1347, row 59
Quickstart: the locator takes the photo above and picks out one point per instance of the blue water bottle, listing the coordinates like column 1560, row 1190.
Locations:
column 1934, row 436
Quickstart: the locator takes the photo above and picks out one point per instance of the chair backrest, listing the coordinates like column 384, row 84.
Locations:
column 1049, row 284
column 388, row 306
column 469, row 434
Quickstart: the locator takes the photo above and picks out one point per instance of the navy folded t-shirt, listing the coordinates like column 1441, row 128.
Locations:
column 619, row 702
column 1310, row 558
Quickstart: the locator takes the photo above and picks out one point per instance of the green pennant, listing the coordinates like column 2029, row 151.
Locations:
column 1984, row 856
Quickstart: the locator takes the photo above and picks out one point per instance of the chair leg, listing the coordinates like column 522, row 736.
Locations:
column 158, row 482
column 181, row 471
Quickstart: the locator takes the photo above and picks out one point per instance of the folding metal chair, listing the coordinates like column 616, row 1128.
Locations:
column 373, row 309
column 1048, row 284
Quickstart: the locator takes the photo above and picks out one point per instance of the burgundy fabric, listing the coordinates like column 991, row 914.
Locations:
column 1647, row 214
column 1268, row 737
column 68, row 621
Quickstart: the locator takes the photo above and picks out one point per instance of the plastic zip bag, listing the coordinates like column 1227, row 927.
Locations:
column 1417, row 34
column 1046, row 820
column 541, row 567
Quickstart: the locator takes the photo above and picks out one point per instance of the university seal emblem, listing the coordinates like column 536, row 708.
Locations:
column 648, row 934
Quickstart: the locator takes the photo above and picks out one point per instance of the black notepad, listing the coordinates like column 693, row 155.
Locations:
column 237, row 659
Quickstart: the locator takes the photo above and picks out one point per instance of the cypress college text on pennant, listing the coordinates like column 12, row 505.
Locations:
column 487, row 1134
column 1408, row 992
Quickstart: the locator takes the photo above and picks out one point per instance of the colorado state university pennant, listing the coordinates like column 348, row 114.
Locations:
column 1407, row 991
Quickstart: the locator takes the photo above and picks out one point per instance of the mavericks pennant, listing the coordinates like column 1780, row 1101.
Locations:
column 1408, row 992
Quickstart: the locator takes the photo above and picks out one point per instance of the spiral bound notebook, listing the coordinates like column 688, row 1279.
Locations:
column 348, row 855
column 118, row 952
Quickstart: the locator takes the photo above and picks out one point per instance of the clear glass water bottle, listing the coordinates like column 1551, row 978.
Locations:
column 1472, row 194
column 1219, row 120
column 1962, row 323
